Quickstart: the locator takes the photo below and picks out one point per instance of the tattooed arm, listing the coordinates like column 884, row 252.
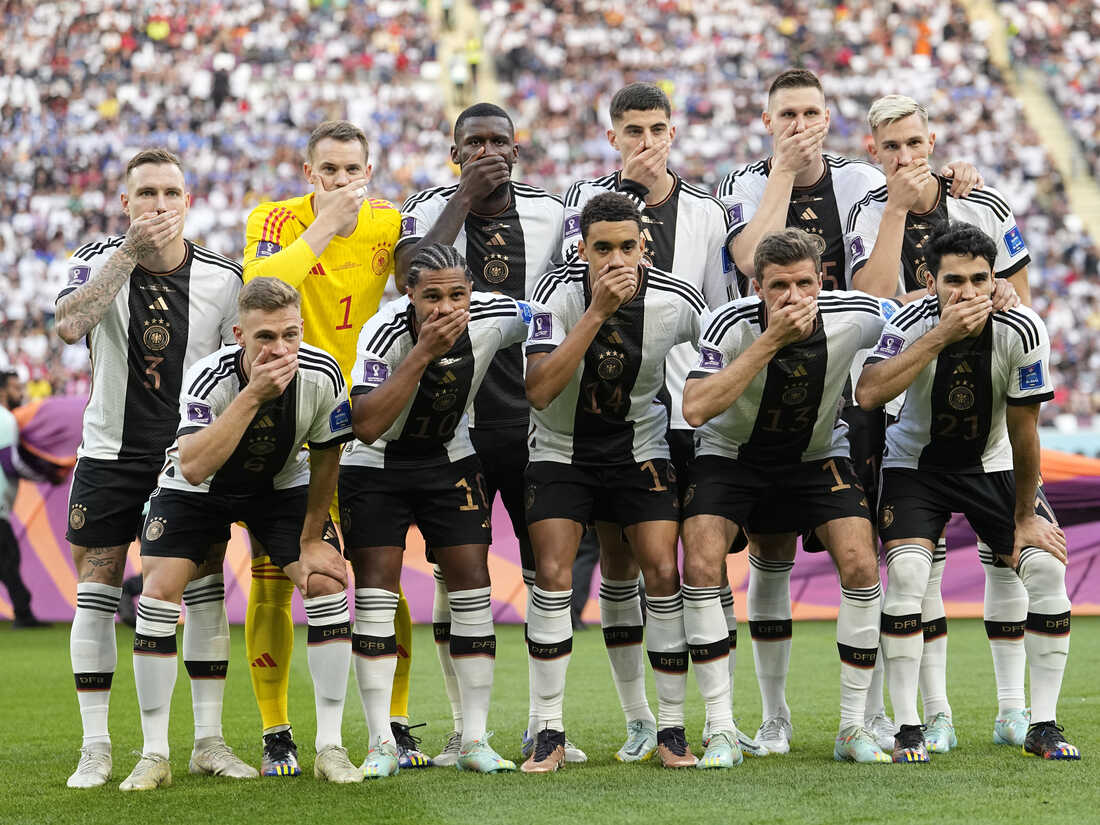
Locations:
column 85, row 307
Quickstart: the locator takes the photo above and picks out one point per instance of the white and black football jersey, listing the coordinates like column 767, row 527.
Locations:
column 432, row 429
column 789, row 412
column 312, row 410
column 158, row 326
column 685, row 236
column 507, row 253
column 953, row 418
column 609, row 413
column 820, row 209
column 984, row 208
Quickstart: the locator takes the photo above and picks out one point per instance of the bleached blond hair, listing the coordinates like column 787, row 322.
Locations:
column 893, row 108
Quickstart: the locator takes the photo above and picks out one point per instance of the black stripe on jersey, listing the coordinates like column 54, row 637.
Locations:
column 569, row 273
column 853, row 213
column 388, row 333
column 495, row 303
column 573, row 193
column 420, row 197
column 666, row 283
column 827, row 298
column 726, row 319
column 209, row 377
column 726, row 187
column 995, row 204
column 961, row 405
column 524, row 190
column 916, row 311
column 1023, row 326
column 824, row 310
column 209, row 257
column 323, row 363
column 836, row 161
column 702, row 194
column 90, row 250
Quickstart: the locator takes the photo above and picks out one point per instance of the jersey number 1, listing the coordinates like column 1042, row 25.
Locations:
column 346, row 301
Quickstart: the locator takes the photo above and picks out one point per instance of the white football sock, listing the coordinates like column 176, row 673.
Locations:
column 666, row 644
column 902, row 640
column 441, row 628
column 206, row 651
column 621, row 620
column 708, row 643
column 375, row 647
column 933, row 662
column 329, row 656
column 726, row 595
column 94, row 656
column 857, row 638
column 769, row 606
column 473, row 651
column 1005, row 613
column 550, row 647
column 529, row 582
column 1048, row 625
column 155, row 669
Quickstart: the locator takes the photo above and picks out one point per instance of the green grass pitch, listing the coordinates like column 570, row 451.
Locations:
column 980, row 782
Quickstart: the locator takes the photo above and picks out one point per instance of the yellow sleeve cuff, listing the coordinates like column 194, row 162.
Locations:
column 291, row 265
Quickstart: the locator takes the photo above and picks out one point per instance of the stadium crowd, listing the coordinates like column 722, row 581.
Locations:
column 94, row 81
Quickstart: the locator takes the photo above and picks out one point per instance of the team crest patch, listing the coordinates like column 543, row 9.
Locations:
column 710, row 359
column 79, row 275
column 961, row 398
column 572, row 225
column 374, row 373
column 886, row 516
column 199, row 413
column 529, row 502
column 736, row 213
column 888, row 345
column 610, row 366
column 542, row 326
column 155, row 528
column 156, row 336
column 525, row 311
column 855, row 247
column 1031, row 376
column 1014, row 241
column 265, row 249
column 340, row 418
column 689, row 494
column 495, row 271
column 381, row 261
column 78, row 516
column 408, row 226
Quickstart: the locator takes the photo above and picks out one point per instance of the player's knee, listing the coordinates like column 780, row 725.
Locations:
column 320, row 584
column 1042, row 574
column 661, row 578
column 908, row 574
column 857, row 567
column 553, row 574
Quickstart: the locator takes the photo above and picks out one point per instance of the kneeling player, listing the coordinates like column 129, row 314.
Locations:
column 773, row 458
column 420, row 362
column 245, row 413
column 595, row 362
column 966, row 441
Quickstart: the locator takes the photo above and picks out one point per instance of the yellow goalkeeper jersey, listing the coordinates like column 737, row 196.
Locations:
column 341, row 288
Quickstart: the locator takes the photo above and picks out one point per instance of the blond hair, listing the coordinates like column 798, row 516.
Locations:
column 893, row 108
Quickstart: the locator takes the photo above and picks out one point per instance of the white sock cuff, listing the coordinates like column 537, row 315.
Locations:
column 664, row 607
column 903, row 551
column 375, row 605
column 861, row 596
column 322, row 611
column 551, row 603
column 472, row 612
column 700, row 597
column 619, row 590
column 156, row 617
column 101, row 598
column 726, row 595
column 207, row 590
column 776, row 567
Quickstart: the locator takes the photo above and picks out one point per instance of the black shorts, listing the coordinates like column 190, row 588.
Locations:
column 106, row 500
column 447, row 503
column 917, row 504
column 622, row 494
column 793, row 498
column 866, row 442
column 503, row 455
column 681, row 448
column 183, row 524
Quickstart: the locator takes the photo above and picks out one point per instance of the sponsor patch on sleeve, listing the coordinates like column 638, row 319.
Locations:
column 374, row 373
column 79, row 275
column 1031, row 376
column 265, row 249
column 727, row 261
column 736, row 214
column 542, row 326
column 572, row 225
column 199, row 413
column 525, row 311
column 340, row 418
column 710, row 359
column 1014, row 241
column 888, row 308
column 856, row 248
column 408, row 226
column 888, row 345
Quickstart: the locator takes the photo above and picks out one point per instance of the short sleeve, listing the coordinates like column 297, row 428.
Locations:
column 713, row 357
column 371, row 367
column 515, row 329
column 332, row 416
column 860, row 236
column 872, row 326
column 1012, row 254
column 891, row 341
column 571, row 221
column 1029, row 380
column 740, row 195
column 546, row 331
column 80, row 271
column 199, row 399
column 719, row 281
column 418, row 215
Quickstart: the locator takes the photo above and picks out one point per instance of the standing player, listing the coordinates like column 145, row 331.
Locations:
column 335, row 245
column 245, row 413
column 509, row 234
column 685, row 233
column 773, row 459
column 595, row 363
column 890, row 225
column 800, row 186
column 420, row 363
column 151, row 303
column 967, row 441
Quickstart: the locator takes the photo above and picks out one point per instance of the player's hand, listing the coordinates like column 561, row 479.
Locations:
column 320, row 557
column 795, row 152
column 964, row 178
column 904, row 184
column 1004, row 295
column 1036, row 531
column 271, row 374
column 960, row 319
column 340, row 206
column 482, row 174
column 438, row 333
column 647, row 164
column 151, row 232
column 792, row 321
column 613, row 287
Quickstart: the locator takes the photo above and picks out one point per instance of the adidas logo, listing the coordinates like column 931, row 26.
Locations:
column 264, row 661
column 448, row 378
column 496, row 240
column 808, row 214
column 647, row 236
column 962, row 368
column 615, row 338
column 799, row 371
column 159, row 303
column 265, row 423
